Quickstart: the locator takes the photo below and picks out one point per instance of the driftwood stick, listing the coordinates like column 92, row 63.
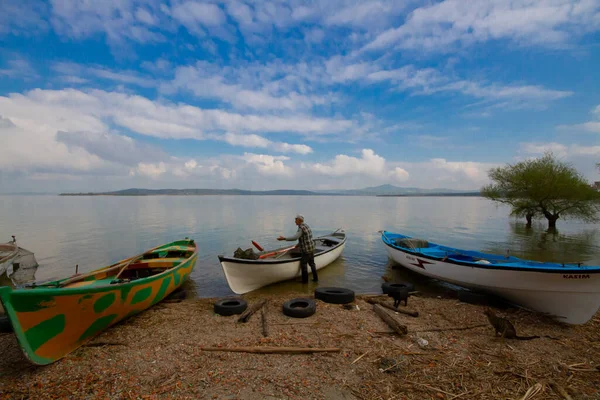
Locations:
column 532, row 391
column 245, row 317
column 391, row 321
column 391, row 307
column 359, row 357
column 560, row 390
column 274, row 350
column 265, row 328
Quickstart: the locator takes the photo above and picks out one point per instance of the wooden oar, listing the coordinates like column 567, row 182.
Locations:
column 121, row 265
column 276, row 252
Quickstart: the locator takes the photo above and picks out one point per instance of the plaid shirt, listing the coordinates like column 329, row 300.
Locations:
column 305, row 240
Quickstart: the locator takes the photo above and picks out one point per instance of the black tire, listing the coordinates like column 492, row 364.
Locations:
column 386, row 286
column 299, row 308
column 334, row 295
column 5, row 325
column 230, row 306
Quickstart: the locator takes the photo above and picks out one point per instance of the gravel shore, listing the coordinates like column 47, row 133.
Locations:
column 159, row 354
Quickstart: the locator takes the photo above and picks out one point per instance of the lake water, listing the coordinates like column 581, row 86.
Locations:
column 97, row 231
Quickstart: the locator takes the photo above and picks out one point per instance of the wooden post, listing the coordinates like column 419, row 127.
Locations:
column 245, row 317
column 391, row 321
column 389, row 306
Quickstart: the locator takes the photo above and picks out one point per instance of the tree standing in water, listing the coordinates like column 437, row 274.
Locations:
column 544, row 186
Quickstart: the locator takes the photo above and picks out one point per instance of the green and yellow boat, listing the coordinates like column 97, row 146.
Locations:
column 52, row 319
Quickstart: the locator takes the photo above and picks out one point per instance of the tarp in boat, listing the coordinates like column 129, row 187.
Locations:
column 247, row 254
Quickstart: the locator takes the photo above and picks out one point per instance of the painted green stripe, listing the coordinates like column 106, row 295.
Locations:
column 163, row 289
column 104, row 302
column 44, row 331
column 176, row 278
column 141, row 295
column 28, row 303
column 125, row 291
column 98, row 326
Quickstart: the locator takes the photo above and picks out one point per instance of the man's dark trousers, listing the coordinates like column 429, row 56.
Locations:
column 308, row 258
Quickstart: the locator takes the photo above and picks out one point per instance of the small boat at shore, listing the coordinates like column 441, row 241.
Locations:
column 568, row 292
column 54, row 318
column 8, row 252
column 13, row 255
column 245, row 275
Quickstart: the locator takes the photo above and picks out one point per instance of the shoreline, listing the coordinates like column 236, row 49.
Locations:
column 159, row 354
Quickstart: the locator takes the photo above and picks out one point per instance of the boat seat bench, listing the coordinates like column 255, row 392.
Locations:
column 155, row 263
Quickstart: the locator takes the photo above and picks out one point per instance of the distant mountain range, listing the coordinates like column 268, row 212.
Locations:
column 382, row 190
column 391, row 190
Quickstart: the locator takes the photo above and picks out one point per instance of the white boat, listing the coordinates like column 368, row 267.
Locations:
column 13, row 255
column 8, row 252
column 568, row 292
column 246, row 275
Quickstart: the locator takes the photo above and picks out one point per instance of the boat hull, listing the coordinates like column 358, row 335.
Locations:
column 244, row 276
column 569, row 297
column 52, row 322
column 8, row 252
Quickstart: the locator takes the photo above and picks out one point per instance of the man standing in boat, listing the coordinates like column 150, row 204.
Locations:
column 307, row 248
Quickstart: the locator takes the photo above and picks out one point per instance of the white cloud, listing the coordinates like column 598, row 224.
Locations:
column 25, row 17
column 77, row 73
column 192, row 13
column 443, row 25
column 561, row 150
column 371, row 169
column 341, row 71
column 111, row 147
column 145, row 16
column 75, row 132
column 590, row 126
column 118, row 20
column 259, row 141
column 18, row 67
column 268, row 165
column 471, row 170
column 152, row 170
column 430, row 81
column 292, row 148
column 583, row 158
column 369, row 164
column 399, row 174
column 363, row 13
column 254, row 87
column 419, row 25
column 202, row 19
column 72, row 109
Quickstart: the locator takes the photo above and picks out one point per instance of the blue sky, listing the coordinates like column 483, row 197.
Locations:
column 114, row 94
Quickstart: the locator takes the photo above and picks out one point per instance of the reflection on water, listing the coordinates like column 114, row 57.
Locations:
column 539, row 244
column 97, row 231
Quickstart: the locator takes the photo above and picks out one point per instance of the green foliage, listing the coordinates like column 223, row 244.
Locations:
column 544, row 186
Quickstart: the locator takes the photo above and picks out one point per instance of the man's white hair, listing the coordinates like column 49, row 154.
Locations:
column 300, row 217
